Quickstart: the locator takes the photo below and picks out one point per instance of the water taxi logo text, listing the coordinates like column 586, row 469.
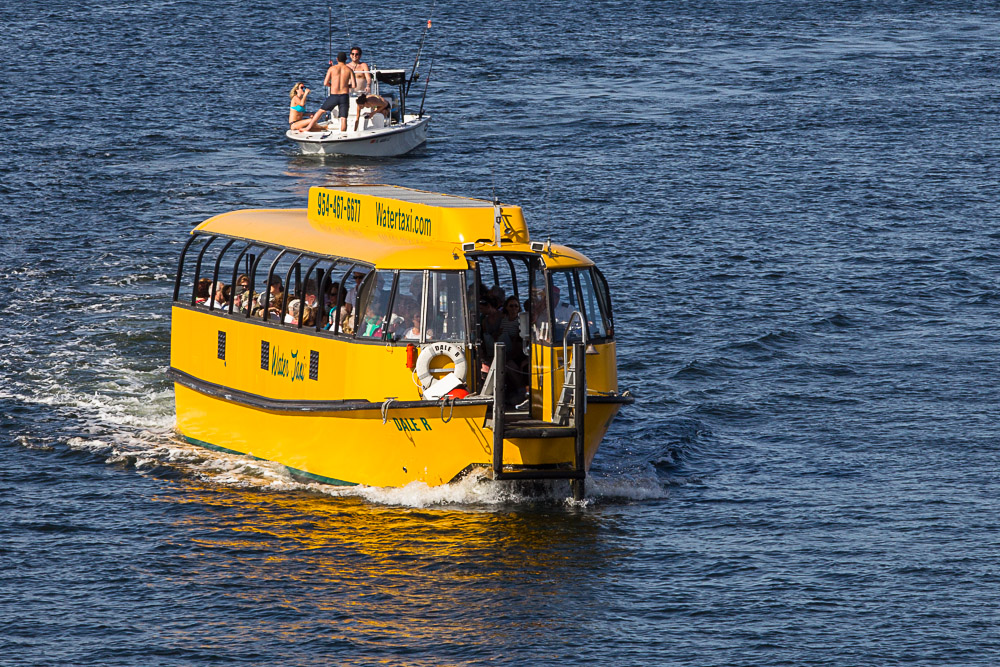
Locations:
column 397, row 219
column 282, row 366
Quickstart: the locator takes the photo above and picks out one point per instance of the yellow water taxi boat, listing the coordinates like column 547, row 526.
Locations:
column 385, row 335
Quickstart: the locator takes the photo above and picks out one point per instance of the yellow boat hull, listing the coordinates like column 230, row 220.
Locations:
column 434, row 445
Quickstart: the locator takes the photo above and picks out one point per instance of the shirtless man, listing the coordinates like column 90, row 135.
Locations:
column 340, row 79
column 373, row 102
column 359, row 69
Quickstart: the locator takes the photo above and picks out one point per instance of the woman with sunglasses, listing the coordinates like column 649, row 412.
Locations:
column 297, row 118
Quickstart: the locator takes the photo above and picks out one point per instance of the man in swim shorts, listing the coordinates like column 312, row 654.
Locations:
column 340, row 79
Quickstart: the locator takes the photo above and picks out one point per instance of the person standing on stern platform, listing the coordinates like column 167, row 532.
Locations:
column 340, row 78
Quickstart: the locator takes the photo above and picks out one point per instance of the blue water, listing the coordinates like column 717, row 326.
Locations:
column 796, row 207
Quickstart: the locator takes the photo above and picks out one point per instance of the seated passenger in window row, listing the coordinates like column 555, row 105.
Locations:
column 203, row 291
column 400, row 321
column 223, row 294
column 308, row 312
column 242, row 299
column 330, row 304
column 371, row 323
column 343, row 316
column 275, row 302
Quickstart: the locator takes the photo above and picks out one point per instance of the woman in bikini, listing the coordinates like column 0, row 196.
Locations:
column 297, row 118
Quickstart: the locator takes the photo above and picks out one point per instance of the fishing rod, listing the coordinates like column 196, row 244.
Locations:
column 416, row 61
column 347, row 25
column 329, row 30
column 430, row 69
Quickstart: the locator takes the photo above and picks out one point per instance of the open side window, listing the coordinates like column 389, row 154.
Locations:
column 593, row 312
column 444, row 310
column 373, row 305
column 604, row 295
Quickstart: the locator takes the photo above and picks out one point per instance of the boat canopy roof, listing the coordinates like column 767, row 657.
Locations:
column 393, row 77
column 390, row 227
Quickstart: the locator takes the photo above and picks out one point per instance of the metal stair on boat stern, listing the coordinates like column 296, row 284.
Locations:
column 522, row 426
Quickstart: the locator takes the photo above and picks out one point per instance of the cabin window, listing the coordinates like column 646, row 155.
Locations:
column 592, row 311
column 604, row 295
column 235, row 276
column 538, row 306
column 226, row 268
column 406, row 321
column 240, row 266
column 564, row 302
column 444, row 317
column 568, row 292
column 374, row 305
column 339, row 294
column 502, row 277
column 187, row 275
column 268, row 282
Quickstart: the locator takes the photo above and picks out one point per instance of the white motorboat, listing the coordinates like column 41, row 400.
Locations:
column 374, row 136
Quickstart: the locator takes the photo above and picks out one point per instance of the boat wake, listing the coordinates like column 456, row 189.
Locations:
column 128, row 422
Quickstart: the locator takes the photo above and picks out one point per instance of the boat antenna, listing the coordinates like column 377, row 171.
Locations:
column 329, row 30
column 545, row 198
column 427, row 81
column 416, row 61
column 497, row 219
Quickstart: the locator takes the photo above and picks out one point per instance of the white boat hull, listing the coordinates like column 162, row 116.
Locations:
column 370, row 142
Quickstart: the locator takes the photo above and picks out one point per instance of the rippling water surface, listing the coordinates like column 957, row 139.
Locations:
column 795, row 204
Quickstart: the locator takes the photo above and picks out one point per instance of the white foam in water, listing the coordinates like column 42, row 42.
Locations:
column 126, row 416
column 133, row 426
column 641, row 487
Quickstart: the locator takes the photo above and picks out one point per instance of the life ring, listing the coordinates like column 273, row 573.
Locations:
column 431, row 352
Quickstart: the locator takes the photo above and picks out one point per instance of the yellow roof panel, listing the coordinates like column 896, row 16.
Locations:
column 389, row 227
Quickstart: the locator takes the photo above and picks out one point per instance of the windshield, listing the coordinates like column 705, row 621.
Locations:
column 570, row 292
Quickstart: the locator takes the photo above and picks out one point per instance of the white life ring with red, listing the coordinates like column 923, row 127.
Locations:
column 430, row 352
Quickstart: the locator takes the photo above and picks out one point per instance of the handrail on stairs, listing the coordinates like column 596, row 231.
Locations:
column 583, row 328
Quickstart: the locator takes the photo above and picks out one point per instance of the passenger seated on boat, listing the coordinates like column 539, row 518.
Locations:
column 412, row 332
column 330, row 317
column 242, row 299
column 203, row 292
column 292, row 311
column 222, row 296
column 403, row 309
column 352, row 294
column 377, row 104
column 309, row 305
column 275, row 301
column 371, row 322
column 346, row 321
column 297, row 118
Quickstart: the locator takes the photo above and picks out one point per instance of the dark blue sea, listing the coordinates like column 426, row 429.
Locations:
column 796, row 205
